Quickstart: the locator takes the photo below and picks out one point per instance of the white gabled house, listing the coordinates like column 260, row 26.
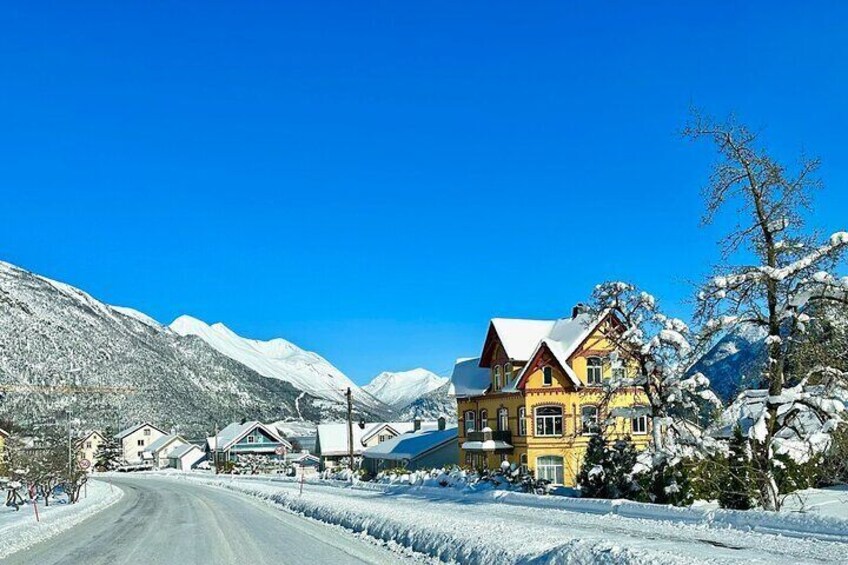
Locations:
column 331, row 446
column 135, row 439
column 88, row 446
column 158, row 451
column 248, row 438
column 185, row 457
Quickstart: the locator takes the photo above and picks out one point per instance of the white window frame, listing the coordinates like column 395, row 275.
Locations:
column 472, row 419
column 508, row 375
column 147, row 431
column 551, row 467
column 547, row 375
column 484, row 419
column 522, row 421
column 597, row 419
column 596, row 370
column 251, row 439
column 644, row 425
column 544, row 419
column 619, row 372
column 503, row 419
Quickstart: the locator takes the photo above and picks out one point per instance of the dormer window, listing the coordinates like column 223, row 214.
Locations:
column 507, row 373
column 547, row 376
column 594, row 370
column 497, row 378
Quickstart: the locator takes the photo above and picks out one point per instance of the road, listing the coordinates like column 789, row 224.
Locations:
column 167, row 522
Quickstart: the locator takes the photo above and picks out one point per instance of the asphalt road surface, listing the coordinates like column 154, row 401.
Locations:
column 165, row 522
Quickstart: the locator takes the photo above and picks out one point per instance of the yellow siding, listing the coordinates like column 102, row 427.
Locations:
column 571, row 445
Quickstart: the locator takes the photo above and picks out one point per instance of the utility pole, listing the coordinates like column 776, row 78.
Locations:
column 349, row 427
column 70, row 449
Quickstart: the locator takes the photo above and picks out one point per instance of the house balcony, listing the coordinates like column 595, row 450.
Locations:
column 489, row 441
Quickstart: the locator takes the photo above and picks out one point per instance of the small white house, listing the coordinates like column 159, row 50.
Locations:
column 88, row 446
column 185, row 457
column 135, row 439
column 158, row 451
column 332, row 445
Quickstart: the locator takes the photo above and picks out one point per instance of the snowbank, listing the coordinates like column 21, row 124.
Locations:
column 506, row 526
column 19, row 530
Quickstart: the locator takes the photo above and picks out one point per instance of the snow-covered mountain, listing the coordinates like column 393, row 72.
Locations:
column 282, row 360
column 438, row 402
column 401, row 388
column 735, row 362
column 52, row 335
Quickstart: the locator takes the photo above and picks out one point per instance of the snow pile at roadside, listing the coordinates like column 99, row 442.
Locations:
column 19, row 530
column 416, row 527
column 454, row 478
column 498, row 526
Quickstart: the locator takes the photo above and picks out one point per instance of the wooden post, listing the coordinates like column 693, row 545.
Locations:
column 349, row 427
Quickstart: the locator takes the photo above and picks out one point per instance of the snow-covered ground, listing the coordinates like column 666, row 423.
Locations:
column 509, row 527
column 19, row 530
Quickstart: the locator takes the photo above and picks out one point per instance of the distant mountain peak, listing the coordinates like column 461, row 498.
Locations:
column 399, row 389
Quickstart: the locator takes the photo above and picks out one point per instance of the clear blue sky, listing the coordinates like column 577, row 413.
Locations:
column 374, row 181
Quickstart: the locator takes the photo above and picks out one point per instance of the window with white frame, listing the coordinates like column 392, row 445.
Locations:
column 639, row 424
column 497, row 377
column 484, row 419
column 522, row 421
column 88, row 445
column 547, row 376
column 251, row 439
column 147, row 431
column 594, row 370
column 550, row 467
column 384, row 437
column 503, row 419
column 470, row 421
column 549, row 421
column 522, row 460
column 141, row 443
column 619, row 371
column 508, row 376
column 589, row 419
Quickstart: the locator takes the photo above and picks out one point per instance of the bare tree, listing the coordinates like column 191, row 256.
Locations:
column 773, row 293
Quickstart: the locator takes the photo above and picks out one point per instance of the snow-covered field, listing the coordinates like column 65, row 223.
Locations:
column 19, row 530
column 508, row 527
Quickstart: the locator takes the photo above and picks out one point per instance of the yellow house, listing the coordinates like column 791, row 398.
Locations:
column 536, row 395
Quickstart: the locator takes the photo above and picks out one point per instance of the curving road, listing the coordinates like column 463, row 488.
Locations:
column 166, row 522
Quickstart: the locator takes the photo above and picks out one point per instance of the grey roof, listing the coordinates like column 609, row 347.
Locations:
column 412, row 445
column 469, row 379
column 162, row 442
column 182, row 450
column 124, row 433
column 235, row 431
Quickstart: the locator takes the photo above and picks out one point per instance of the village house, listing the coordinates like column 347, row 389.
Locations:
column 88, row 446
column 424, row 449
column 332, row 446
column 157, row 452
column 185, row 457
column 135, row 439
column 535, row 395
column 247, row 438
column 303, row 462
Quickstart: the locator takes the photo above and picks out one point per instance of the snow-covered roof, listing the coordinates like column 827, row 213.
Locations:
column 411, row 446
column 332, row 438
column 520, row 337
column 162, row 442
column 182, row 450
column 124, row 433
column 81, row 440
column 468, row 378
column 300, row 457
column 488, row 445
column 563, row 339
column 234, row 432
